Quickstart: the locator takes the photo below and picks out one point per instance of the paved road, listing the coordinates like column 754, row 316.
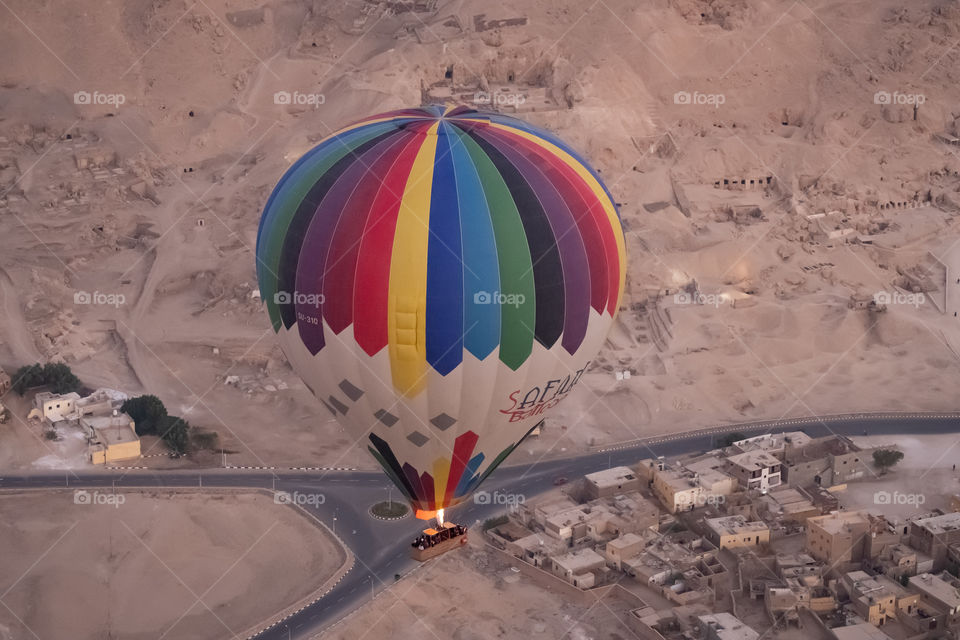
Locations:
column 381, row 547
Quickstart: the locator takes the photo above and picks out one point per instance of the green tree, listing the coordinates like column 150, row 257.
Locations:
column 176, row 433
column 60, row 378
column 56, row 375
column 148, row 413
column 883, row 459
column 27, row 377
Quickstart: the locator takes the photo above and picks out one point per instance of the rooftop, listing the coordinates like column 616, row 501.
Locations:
column 730, row 525
column 112, row 429
column 728, row 627
column 862, row 631
column 868, row 588
column 625, row 540
column 940, row 524
column 613, row 476
column 936, row 588
column 839, row 521
column 754, row 460
column 772, row 441
column 580, row 561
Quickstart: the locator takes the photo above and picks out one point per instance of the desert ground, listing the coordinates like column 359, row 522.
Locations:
column 778, row 165
column 153, row 565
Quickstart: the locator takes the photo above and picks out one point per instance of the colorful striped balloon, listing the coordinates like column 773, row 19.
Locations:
column 440, row 277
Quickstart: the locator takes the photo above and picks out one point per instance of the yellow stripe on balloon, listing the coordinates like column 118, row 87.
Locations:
column 407, row 305
column 441, row 473
column 594, row 185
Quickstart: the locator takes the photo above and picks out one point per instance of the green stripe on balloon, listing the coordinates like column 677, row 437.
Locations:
column 517, row 321
column 286, row 206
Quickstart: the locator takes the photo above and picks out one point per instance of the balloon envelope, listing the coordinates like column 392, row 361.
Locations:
column 440, row 278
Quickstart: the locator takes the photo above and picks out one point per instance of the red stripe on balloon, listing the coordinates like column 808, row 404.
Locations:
column 372, row 285
column 462, row 450
column 592, row 222
column 341, row 266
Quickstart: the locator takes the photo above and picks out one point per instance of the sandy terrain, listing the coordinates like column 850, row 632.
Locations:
column 472, row 593
column 923, row 481
column 153, row 203
column 154, row 565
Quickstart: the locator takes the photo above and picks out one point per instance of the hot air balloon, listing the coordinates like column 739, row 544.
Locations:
column 440, row 277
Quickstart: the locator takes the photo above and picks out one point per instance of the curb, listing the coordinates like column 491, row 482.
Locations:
column 763, row 425
column 349, row 562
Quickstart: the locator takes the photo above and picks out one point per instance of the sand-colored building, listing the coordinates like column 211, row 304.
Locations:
column 684, row 489
column 111, row 438
column 772, row 443
column 862, row 631
column 610, row 482
column 736, row 531
column 933, row 536
column 837, row 539
column 54, row 407
column 937, row 591
column 626, row 546
column 755, row 470
column 577, row 567
column 877, row 599
column 725, row 626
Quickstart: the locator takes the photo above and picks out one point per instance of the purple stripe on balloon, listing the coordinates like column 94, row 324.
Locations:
column 316, row 245
column 414, row 479
column 543, row 179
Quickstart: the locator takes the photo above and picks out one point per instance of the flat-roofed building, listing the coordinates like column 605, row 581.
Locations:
column 933, row 536
column 725, row 626
column 111, row 438
column 610, row 482
column 772, row 443
column 755, row 470
column 54, row 407
column 683, row 489
column 736, row 531
column 577, row 567
column 873, row 598
column 837, row 539
column 938, row 591
column 626, row 546
column 862, row 631
column 568, row 524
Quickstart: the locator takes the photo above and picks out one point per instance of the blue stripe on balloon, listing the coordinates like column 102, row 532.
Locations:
column 444, row 330
column 481, row 321
column 469, row 475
